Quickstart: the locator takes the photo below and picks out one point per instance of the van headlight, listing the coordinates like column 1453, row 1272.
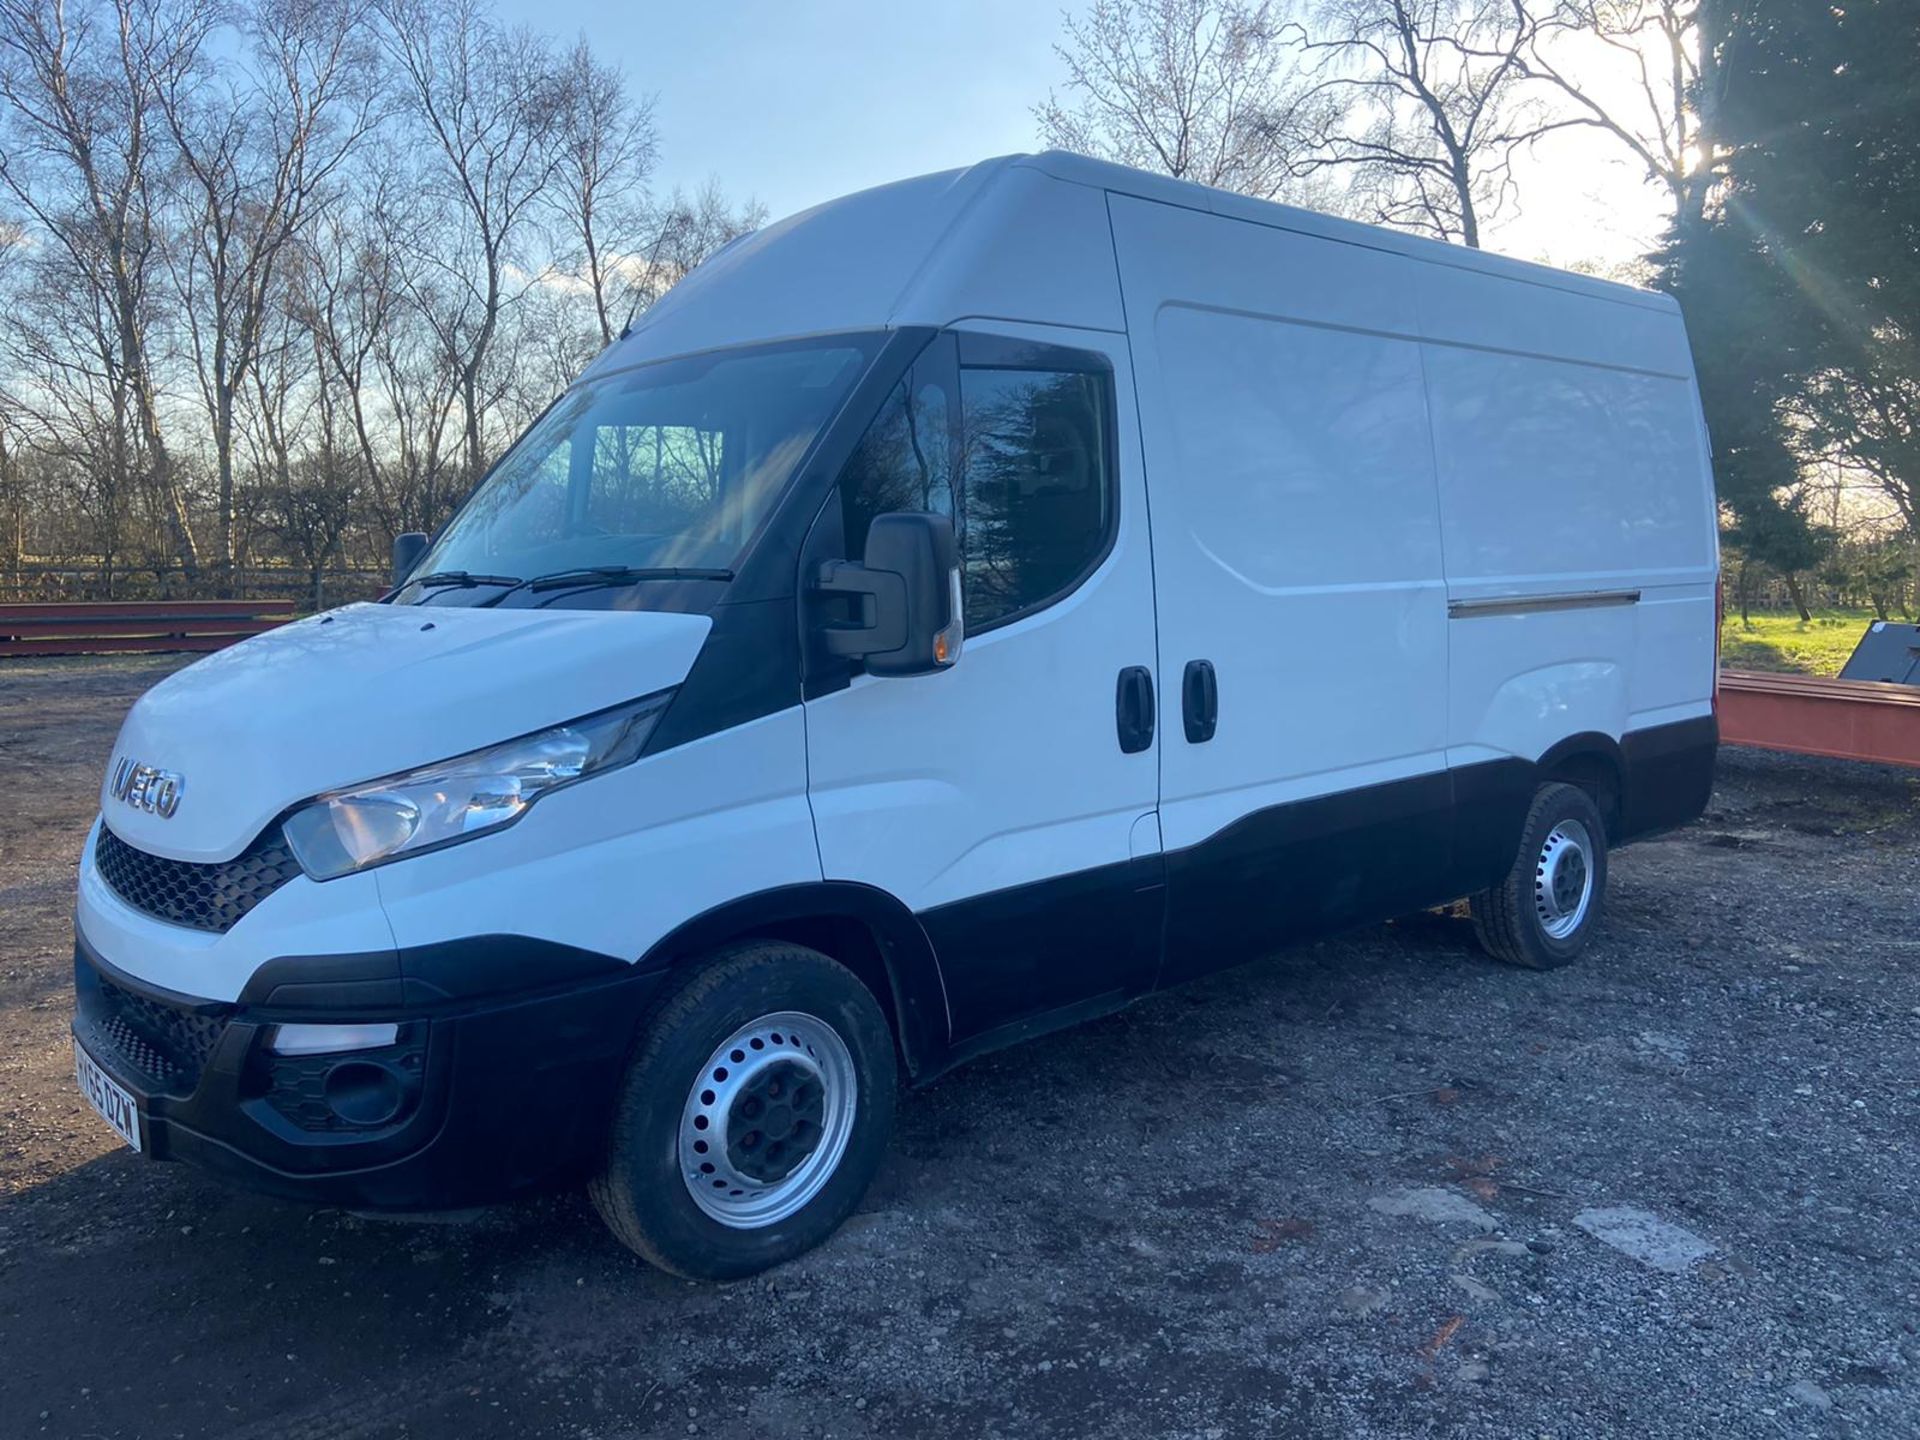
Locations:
column 469, row 795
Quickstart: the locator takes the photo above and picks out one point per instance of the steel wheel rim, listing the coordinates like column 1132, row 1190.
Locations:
column 1563, row 879
column 733, row 1156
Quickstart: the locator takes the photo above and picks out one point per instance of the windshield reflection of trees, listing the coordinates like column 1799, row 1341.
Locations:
column 643, row 470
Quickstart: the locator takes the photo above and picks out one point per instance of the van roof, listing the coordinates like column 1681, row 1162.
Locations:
column 1011, row 237
column 1190, row 195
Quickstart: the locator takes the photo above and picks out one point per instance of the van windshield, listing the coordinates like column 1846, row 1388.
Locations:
column 663, row 471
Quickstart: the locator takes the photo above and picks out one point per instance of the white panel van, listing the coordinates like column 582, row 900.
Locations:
column 954, row 612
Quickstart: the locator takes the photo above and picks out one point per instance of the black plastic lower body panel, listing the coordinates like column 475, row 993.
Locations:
column 1054, row 945
column 1310, row 867
column 1037, row 957
column 1668, row 774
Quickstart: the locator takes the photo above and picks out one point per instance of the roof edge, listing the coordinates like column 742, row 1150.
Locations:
column 1190, row 195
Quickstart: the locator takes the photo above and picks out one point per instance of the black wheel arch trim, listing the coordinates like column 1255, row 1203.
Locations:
column 917, row 1000
column 1561, row 761
column 1587, row 742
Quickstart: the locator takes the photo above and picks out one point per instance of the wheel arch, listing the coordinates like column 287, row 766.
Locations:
column 1594, row 762
column 864, row 928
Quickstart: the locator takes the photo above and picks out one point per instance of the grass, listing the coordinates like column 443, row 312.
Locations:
column 1784, row 642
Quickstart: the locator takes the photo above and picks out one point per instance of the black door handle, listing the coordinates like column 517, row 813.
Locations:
column 1199, row 701
column 1133, row 709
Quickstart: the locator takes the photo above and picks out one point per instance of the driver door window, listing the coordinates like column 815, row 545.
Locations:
column 1022, row 468
column 1035, row 505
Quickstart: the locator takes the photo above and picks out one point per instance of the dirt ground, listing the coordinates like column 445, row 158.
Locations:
column 1375, row 1187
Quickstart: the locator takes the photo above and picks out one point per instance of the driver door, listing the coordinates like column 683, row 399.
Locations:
column 1010, row 800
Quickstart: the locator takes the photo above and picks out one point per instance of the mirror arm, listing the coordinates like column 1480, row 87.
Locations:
column 880, row 596
column 408, row 547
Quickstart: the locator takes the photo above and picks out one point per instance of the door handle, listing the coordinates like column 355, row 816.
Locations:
column 1199, row 701
column 1133, row 709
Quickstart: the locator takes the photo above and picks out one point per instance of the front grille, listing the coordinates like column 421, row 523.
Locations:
column 206, row 897
column 168, row 1045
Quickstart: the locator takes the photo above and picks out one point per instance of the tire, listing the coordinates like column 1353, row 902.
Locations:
column 1543, row 913
column 804, row 1028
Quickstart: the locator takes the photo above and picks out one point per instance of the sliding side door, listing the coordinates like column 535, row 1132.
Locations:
column 1301, row 600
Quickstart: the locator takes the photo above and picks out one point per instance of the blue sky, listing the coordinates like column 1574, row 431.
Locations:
column 800, row 101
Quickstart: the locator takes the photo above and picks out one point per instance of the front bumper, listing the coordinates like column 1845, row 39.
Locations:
column 497, row 1093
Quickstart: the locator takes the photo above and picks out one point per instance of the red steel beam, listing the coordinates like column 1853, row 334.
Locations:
column 1813, row 715
column 117, row 644
column 85, row 631
column 141, row 609
column 140, row 625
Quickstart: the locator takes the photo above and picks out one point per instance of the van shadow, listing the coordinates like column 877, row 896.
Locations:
column 1356, row 1013
column 147, row 1298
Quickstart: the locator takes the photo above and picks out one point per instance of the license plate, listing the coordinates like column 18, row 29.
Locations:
column 115, row 1104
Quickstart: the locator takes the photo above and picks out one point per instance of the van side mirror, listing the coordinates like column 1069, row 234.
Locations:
column 408, row 547
column 906, row 597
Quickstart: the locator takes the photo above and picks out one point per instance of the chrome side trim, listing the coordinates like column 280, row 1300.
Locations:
column 1527, row 604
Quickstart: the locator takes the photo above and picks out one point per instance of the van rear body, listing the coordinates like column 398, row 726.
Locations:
column 1240, row 575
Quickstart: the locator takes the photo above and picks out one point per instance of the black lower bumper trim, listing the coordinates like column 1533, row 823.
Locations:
column 495, row 1097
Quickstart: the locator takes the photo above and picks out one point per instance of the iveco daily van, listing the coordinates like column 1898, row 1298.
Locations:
column 953, row 612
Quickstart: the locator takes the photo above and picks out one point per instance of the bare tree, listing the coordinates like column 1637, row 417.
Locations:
column 67, row 403
column 490, row 101
column 607, row 150
column 14, row 419
column 678, row 233
column 1433, row 108
column 307, row 478
column 277, row 276
column 421, row 384
column 341, row 291
column 254, row 152
column 71, row 411
column 80, row 83
column 1662, row 113
column 1203, row 90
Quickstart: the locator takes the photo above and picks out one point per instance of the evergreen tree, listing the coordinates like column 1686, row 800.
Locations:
column 1801, row 279
column 1827, row 178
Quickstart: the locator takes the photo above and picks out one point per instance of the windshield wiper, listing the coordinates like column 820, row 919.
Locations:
column 600, row 576
column 462, row 578
column 623, row 575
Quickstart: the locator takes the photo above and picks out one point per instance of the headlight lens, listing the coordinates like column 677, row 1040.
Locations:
column 463, row 797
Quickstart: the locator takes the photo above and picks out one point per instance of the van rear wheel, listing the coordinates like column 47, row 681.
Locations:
column 1543, row 912
column 752, row 1116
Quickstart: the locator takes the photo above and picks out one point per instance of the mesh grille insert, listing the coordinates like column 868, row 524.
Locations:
column 206, row 897
column 169, row 1045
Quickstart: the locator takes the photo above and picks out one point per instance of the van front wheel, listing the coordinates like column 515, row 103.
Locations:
column 752, row 1116
column 1544, row 911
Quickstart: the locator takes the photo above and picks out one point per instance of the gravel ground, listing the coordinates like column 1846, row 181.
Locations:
column 1374, row 1187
